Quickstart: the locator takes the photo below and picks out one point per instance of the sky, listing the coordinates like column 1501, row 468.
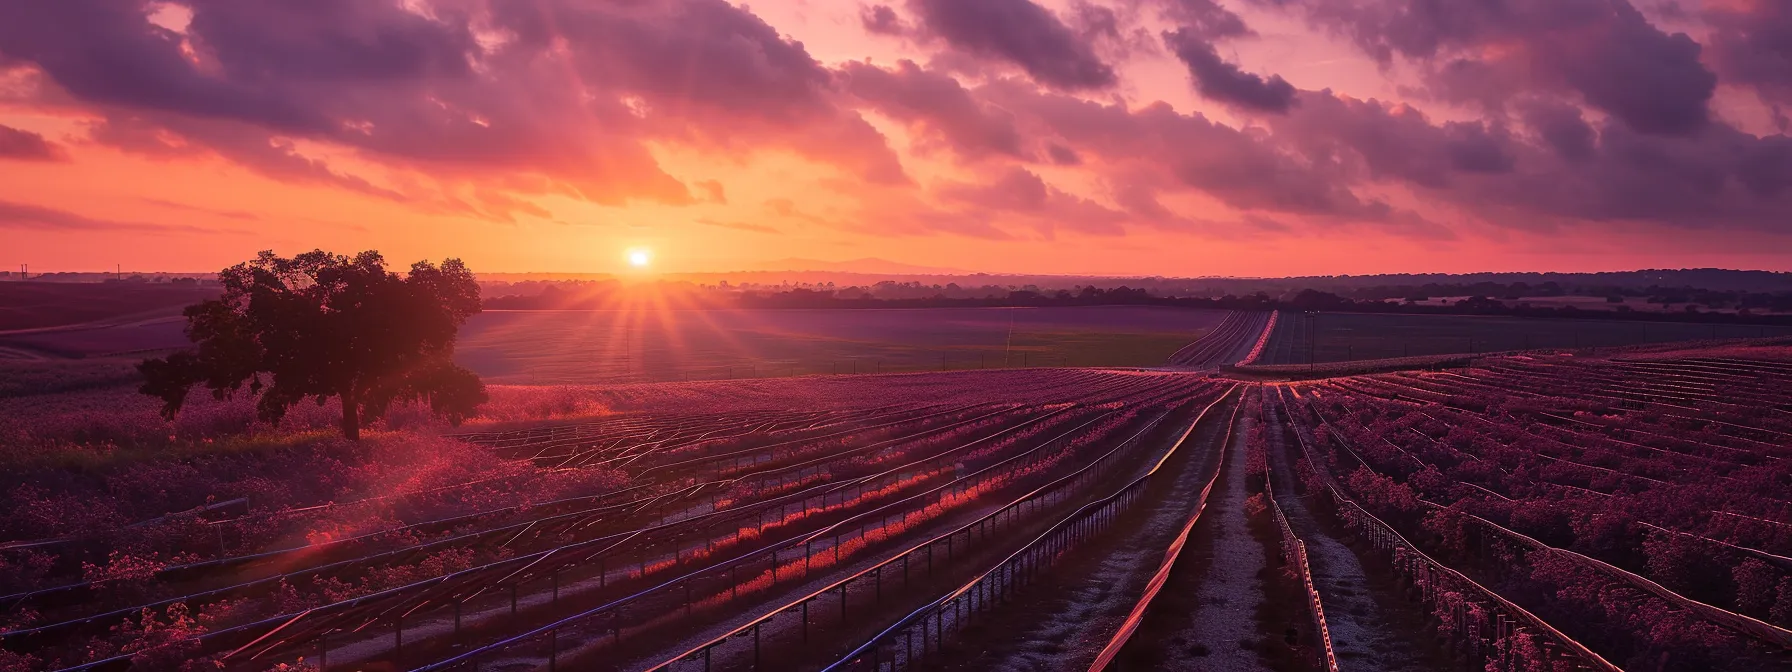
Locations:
column 1130, row 137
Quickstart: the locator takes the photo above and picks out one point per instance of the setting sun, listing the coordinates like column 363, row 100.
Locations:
column 640, row 257
column 1501, row 286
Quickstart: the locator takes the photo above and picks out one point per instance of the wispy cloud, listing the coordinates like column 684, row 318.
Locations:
column 27, row 146
column 228, row 214
column 740, row 226
column 22, row 216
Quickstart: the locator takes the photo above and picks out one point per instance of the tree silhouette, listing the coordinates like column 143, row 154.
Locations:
column 321, row 325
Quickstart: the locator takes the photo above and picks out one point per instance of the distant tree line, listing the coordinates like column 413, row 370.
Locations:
column 600, row 295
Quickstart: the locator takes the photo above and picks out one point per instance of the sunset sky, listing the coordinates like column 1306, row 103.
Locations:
column 1167, row 137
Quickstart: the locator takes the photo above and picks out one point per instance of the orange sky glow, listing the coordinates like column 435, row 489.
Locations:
column 1131, row 137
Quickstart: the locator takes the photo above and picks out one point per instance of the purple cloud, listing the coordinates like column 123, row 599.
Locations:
column 1020, row 196
column 564, row 103
column 1204, row 18
column 32, row 217
column 1157, row 149
column 945, row 113
column 1604, row 51
column 1751, row 45
column 1018, row 32
column 1224, row 82
column 881, row 20
column 24, row 145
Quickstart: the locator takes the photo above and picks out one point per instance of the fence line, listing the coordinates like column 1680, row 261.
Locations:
column 871, row 526
column 1742, row 624
column 1162, row 575
column 1296, row 551
column 982, row 590
column 935, row 621
column 1486, row 627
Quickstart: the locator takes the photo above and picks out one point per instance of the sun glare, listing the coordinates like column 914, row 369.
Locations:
column 640, row 257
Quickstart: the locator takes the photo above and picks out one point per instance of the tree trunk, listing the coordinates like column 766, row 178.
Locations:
column 351, row 415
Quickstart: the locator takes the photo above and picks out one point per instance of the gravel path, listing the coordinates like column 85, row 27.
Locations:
column 1224, row 619
column 1063, row 624
column 1372, row 627
column 1206, row 616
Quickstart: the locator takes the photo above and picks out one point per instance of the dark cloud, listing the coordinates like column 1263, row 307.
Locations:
column 1224, row 82
column 24, row 145
column 1651, row 80
column 1018, row 32
column 1095, row 22
column 1566, row 171
column 32, row 217
column 1477, row 147
column 1204, row 18
column 563, row 100
column 108, row 52
column 1157, row 149
column 881, row 20
column 1604, row 51
column 1751, row 45
column 1561, row 128
column 1063, row 156
column 1379, row 141
column 945, row 113
column 377, row 42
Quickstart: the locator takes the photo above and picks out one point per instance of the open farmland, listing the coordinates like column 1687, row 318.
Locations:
column 562, row 347
column 41, row 305
column 542, row 347
column 1527, row 511
column 1303, row 338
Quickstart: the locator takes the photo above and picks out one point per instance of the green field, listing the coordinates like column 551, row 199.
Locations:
column 555, row 347
column 1339, row 337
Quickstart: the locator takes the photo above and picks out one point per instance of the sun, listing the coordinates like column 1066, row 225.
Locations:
column 640, row 257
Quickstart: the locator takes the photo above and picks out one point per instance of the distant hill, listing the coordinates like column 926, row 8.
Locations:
column 865, row 266
column 1703, row 278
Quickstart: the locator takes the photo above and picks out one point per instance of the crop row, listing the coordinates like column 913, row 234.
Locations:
column 1489, row 459
column 585, row 554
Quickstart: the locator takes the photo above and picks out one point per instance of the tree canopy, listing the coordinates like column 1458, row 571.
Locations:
column 321, row 325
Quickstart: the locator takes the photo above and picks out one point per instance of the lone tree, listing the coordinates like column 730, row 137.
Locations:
column 321, row 325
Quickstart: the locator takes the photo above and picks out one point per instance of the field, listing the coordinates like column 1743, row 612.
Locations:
column 581, row 346
column 38, row 305
column 1337, row 337
column 563, row 347
column 1624, row 511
